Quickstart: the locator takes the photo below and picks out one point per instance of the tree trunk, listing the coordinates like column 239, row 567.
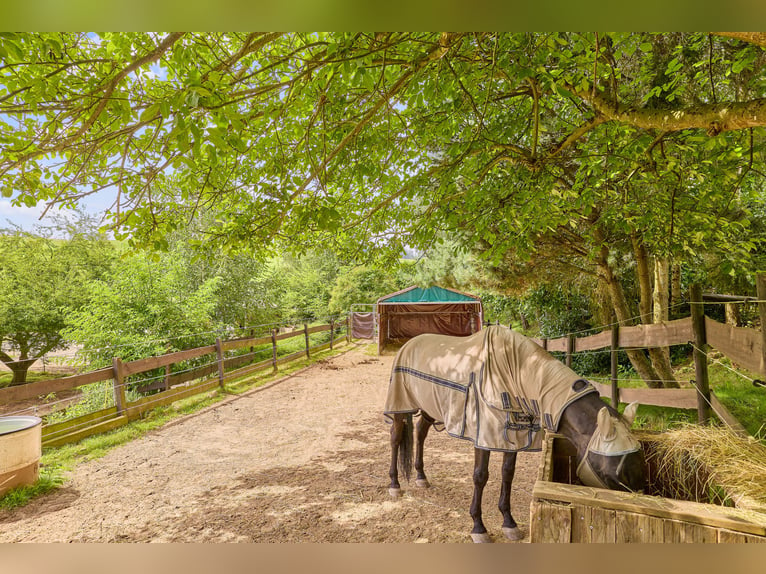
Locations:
column 733, row 317
column 19, row 367
column 675, row 285
column 660, row 299
column 644, row 280
column 622, row 311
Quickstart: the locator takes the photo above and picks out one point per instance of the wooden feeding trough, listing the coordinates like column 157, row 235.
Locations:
column 563, row 510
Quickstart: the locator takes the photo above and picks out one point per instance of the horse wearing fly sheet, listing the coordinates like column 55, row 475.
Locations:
column 500, row 390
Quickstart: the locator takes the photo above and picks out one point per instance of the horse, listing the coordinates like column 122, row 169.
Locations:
column 501, row 391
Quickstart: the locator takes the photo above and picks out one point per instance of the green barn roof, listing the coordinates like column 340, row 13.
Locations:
column 434, row 294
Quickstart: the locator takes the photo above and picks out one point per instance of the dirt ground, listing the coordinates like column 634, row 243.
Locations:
column 304, row 459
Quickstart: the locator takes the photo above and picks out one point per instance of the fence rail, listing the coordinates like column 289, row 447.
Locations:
column 171, row 386
column 743, row 346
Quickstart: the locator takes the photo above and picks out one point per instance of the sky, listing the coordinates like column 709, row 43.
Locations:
column 28, row 218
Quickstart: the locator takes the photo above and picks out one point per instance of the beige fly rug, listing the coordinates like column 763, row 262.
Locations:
column 496, row 388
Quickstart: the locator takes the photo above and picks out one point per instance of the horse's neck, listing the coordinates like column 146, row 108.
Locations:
column 578, row 421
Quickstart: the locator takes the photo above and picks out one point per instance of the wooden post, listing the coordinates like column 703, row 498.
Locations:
column 614, row 352
column 332, row 332
column 348, row 329
column 700, row 350
column 252, row 349
column 570, row 349
column 545, row 344
column 761, row 286
column 167, row 377
column 274, row 348
column 219, row 353
column 118, row 379
column 306, row 335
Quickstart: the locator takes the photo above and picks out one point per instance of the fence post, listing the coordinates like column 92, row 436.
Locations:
column 700, row 357
column 348, row 329
column 166, row 381
column 570, row 349
column 332, row 332
column 274, row 348
column 614, row 352
column 219, row 353
column 118, row 379
column 761, row 286
column 545, row 343
column 306, row 335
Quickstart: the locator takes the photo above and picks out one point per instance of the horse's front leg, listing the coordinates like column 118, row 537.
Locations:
column 424, row 425
column 397, row 434
column 510, row 529
column 480, row 477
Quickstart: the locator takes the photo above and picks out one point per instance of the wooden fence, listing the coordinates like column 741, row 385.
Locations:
column 743, row 346
column 173, row 386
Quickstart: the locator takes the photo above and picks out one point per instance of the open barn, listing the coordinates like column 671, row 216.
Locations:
column 417, row 310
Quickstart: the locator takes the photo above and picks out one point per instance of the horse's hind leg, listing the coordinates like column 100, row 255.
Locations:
column 424, row 425
column 480, row 477
column 397, row 434
column 510, row 529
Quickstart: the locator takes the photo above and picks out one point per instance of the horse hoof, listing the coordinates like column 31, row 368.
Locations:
column 514, row 533
column 482, row 538
column 395, row 492
column 422, row 483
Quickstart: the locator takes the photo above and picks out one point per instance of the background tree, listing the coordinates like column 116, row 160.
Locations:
column 41, row 281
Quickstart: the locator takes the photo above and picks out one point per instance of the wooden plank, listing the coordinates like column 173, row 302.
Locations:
column 677, row 531
column 694, row 512
column 674, row 398
column 291, row 357
column 283, row 336
column 84, row 420
column 86, row 432
column 591, row 524
column 268, row 363
column 550, row 522
column 743, row 346
column 318, row 329
column 723, row 413
column 141, row 365
column 632, row 527
column 559, row 344
column 136, row 408
column 597, row 341
column 199, row 372
column 677, row 332
column 241, row 343
column 42, row 388
column 729, row 537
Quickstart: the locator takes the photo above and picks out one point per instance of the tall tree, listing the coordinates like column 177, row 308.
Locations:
column 617, row 145
column 41, row 282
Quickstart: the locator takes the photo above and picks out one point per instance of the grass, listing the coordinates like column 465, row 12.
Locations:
column 57, row 462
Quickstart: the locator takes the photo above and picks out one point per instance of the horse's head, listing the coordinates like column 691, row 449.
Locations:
column 614, row 458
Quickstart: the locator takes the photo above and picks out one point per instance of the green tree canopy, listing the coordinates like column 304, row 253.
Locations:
column 41, row 282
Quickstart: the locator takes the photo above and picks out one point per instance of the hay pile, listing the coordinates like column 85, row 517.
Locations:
column 707, row 464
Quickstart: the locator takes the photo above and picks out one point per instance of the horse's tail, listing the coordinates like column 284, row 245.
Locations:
column 406, row 447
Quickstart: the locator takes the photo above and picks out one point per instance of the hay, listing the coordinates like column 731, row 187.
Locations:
column 707, row 464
